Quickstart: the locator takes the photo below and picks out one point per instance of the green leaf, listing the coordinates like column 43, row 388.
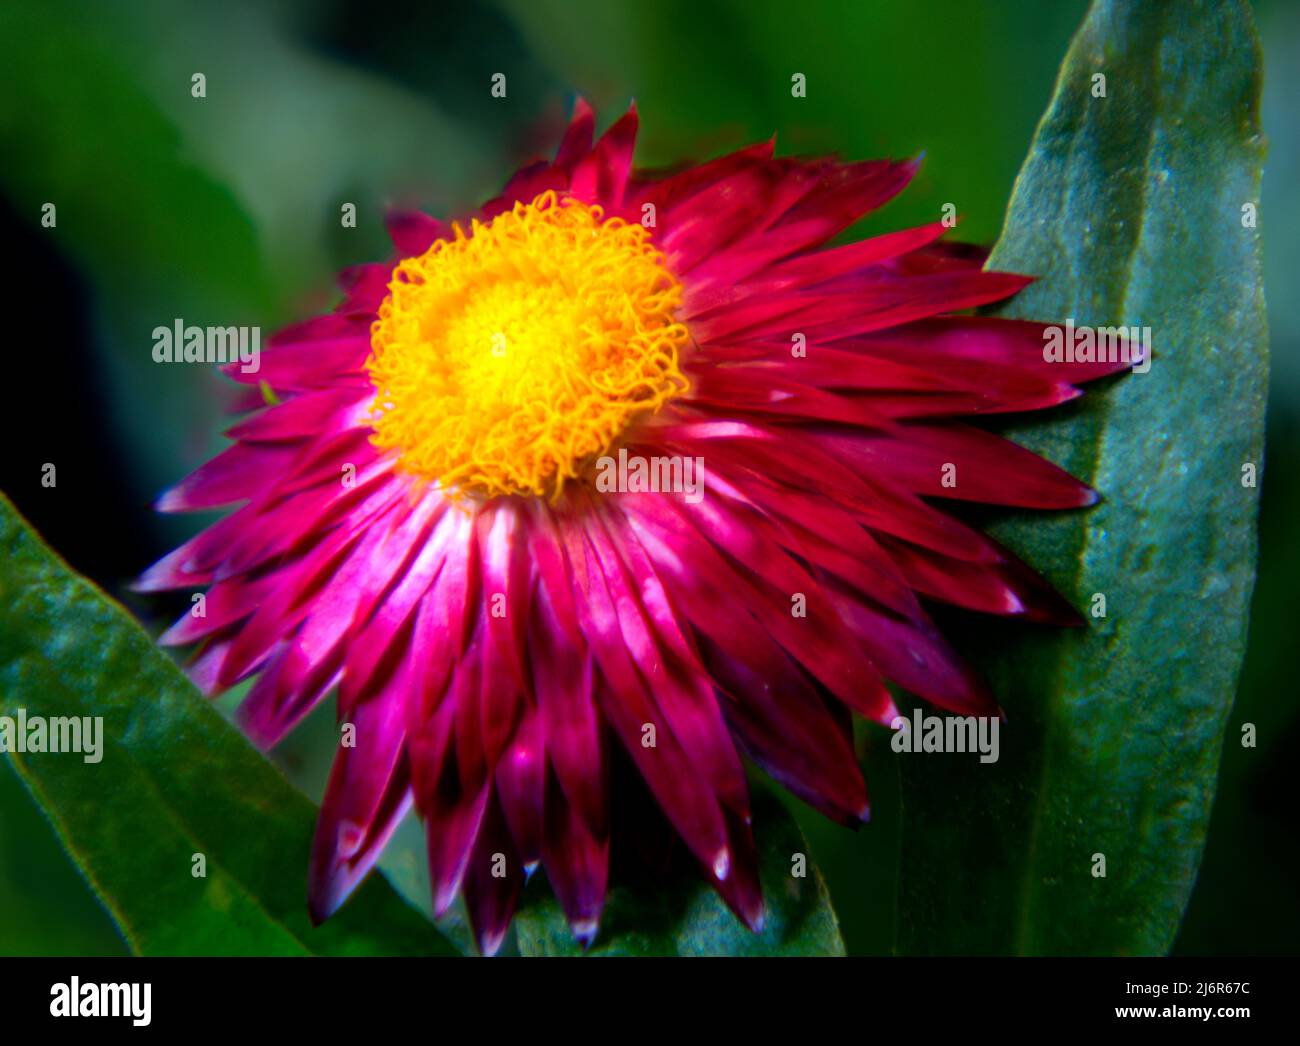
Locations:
column 174, row 780
column 1129, row 208
column 686, row 917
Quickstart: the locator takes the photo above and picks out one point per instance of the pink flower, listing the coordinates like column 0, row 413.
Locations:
column 635, row 467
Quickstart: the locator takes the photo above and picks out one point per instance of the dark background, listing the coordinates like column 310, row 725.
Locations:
column 227, row 209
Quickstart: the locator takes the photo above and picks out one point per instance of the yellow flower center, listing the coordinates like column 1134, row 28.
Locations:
column 504, row 360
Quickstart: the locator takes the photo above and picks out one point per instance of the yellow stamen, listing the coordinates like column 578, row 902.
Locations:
column 505, row 359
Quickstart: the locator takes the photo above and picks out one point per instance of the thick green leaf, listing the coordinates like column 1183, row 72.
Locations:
column 686, row 917
column 1130, row 210
column 174, row 780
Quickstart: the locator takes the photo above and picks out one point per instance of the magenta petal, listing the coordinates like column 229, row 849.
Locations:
column 366, row 285
column 307, row 416
column 985, row 467
column 505, row 574
column 577, row 136
column 236, row 474
column 765, row 460
column 520, row 776
column 792, row 737
column 602, row 176
column 994, row 588
column 934, row 343
column 678, row 690
column 367, row 795
column 574, row 738
column 736, row 209
column 820, row 642
column 577, row 863
column 414, row 232
column 312, row 364
column 322, row 575
column 688, row 801
column 384, row 630
column 736, row 879
column 494, row 878
column 225, row 604
column 677, row 190
column 526, row 185
column 847, row 192
column 289, row 687
column 451, row 805
column 915, row 655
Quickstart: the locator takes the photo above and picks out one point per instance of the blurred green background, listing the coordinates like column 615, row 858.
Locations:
column 226, row 209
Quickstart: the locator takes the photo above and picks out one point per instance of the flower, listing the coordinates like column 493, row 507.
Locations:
column 632, row 462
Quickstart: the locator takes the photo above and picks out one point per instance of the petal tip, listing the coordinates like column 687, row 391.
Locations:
column 722, row 864
column 489, row 941
column 584, row 931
